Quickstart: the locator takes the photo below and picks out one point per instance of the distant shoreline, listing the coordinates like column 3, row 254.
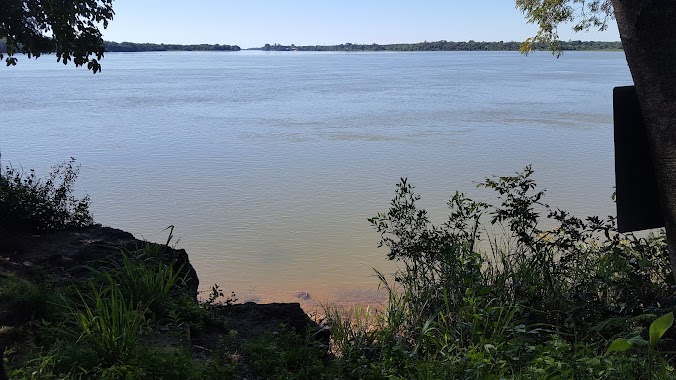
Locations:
column 131, row 47
column 442, row 45
column 449, row 46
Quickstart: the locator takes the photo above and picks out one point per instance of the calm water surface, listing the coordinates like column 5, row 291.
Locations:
column 269, row 164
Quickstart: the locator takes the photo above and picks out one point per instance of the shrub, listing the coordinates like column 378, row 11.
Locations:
column 532, row 302
column 31, row 204
column 572, row 275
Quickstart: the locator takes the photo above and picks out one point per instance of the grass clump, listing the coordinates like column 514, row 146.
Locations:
column 31, row 204
column 21, row 300
column 156, row 362
column 108, row 322
column 286, row 355
column 147, row 276
column 528, row 303
column 147, row 361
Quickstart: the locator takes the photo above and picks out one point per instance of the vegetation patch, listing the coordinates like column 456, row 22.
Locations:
column 550, row 296
column 572, row 300
column 21, row 300
column 95, row 303
column 31, row 204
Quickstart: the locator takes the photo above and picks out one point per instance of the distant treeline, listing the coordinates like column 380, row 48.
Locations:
column 445, row 46
column 133, row 47
column 420, row 46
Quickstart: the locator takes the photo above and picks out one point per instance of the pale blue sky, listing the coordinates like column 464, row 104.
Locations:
column 253, row 23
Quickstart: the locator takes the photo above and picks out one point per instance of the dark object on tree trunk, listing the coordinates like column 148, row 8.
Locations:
column 637, row 199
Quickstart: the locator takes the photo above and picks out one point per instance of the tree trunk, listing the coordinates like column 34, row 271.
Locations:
column 648, row 32
column 3, row 374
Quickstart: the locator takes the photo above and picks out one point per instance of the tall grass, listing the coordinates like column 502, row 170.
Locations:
column 148, row 279
column 108, row 322
column 146, row 276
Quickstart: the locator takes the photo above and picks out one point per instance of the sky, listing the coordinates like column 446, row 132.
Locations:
column 253, row 23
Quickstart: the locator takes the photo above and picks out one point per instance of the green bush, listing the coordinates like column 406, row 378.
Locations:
column 528, row 302
column 31, row 204
column 573, row 274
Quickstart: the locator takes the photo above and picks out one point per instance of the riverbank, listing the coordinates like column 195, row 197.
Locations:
column 81, row 301
column 49, row 325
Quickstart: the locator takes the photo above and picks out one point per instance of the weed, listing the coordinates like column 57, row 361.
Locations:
column 217, row 297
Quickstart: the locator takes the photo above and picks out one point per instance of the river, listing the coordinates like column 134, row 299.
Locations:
column 269, row 164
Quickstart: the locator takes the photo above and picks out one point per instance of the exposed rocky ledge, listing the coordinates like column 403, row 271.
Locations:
column 66, row 255
column 60, row 257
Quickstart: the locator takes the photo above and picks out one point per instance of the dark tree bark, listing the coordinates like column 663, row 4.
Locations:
column 3, row 374
column 648, row 32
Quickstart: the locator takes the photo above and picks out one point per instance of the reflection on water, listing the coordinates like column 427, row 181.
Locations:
column 269, row 164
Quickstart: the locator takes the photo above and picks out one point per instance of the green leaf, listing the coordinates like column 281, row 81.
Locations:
column 619, row 345
column 643, row 263
column 638, row 341
column 659, row 327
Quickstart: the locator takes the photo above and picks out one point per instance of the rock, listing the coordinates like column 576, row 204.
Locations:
column 252, row 318
column 303, row 295
column 66, row 253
